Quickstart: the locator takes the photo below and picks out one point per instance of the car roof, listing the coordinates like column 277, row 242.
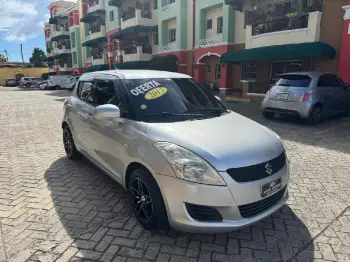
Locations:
column 311, row 74
column 134, row 74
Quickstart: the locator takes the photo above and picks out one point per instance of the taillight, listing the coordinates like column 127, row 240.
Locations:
column 304, row 97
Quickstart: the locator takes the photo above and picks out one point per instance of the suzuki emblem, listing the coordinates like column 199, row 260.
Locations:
column 268, row 168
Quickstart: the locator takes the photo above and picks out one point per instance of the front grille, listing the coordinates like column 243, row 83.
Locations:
column 203, row 213
column 253, row 209
column 259, row 171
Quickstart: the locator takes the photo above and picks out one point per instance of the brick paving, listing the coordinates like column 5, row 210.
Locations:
column 53, row 209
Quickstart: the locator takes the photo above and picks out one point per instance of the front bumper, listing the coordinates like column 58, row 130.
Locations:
column 225, row 200
column 301, row 109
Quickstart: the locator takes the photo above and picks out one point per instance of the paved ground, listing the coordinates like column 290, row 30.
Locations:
column 52, row 209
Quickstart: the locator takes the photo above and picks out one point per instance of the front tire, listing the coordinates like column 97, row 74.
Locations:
column 315, row 115
column 69, row 145
column 27, row 85
column 147, row 201
column 57, row 87
column 268, row 115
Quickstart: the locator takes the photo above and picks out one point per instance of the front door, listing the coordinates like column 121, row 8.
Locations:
column 326, row 94
column 109, row 151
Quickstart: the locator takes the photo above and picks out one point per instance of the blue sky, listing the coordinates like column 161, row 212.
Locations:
column 22, row 22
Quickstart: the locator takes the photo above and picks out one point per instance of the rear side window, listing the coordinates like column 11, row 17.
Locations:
column 26, row 79
column 85, row 92
column 294, row 80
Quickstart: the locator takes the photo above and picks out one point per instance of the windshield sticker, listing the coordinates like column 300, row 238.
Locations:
column 144, row 88
column 143, row 107
column 156, row 93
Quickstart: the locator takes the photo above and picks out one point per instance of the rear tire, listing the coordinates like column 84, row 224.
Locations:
column 27, row 85
column 69, row 145
column 57, row 87
column 146, row 200
column 315, row 115
column 268, row 115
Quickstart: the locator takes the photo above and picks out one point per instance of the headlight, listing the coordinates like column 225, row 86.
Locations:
column 188, row 166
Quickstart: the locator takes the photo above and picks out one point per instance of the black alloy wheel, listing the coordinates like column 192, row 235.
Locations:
column 142, row 200
column 69, row 145
column 315, row 115
column 146, row 200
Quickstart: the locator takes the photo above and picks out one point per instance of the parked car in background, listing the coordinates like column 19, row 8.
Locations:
column 70, row 83
column 57, row 82
column 11, row 82
column 42, row 85
column 183, row 157
column 29, row 81
column 308, row 95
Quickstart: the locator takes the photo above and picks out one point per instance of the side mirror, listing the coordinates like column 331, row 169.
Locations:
column 107, row 111
column 218, row 98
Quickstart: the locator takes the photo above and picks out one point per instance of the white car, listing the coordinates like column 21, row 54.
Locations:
column 70, row 83
column 57, row 82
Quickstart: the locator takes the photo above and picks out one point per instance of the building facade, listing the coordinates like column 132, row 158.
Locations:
column 237, row 46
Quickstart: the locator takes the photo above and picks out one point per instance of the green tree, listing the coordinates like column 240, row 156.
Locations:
column 38, row 57
column 3, row 58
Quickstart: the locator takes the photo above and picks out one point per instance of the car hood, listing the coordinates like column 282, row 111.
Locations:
column 228, row 141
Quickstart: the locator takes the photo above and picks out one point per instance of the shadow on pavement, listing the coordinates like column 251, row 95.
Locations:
column 93, row 211
column 59, row 93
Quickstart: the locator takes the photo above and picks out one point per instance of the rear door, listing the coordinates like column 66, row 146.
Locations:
column 290, row 87
column 340, row 94
column 325, row 94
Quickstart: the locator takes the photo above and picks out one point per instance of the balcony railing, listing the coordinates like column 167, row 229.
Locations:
column 137, row 53
column 129, row 16
column 211, row 41
column 96, row 5
column 169, row 47
column 280, row 25
column 100, row 33
column 168, row 6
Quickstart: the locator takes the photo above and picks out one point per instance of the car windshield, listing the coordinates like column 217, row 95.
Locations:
column 294, row 80
column 170, row 100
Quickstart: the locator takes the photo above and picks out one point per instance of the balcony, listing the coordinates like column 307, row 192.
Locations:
column 168, row 6
column 100, row 59
column 137, row 53
column 168, row 48
column 62, row 50
column 300, row 29
column 60, row 33
column 96, row 34
column 96, row 5
column 211, row 41
column 139, row 17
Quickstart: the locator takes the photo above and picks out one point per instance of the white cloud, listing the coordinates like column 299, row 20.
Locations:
column 21, row 20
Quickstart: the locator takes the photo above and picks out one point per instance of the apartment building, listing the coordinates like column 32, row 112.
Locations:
column 284, row 36
column 240, row 46
column 344, row 57
column 57, row 37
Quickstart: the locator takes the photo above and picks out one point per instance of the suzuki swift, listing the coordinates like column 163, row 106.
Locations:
column 185, row 160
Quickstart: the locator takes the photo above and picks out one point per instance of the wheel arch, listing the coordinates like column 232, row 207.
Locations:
column 131, row 167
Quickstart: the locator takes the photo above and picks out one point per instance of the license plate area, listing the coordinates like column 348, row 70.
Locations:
column 271, row 187
column 283, row 96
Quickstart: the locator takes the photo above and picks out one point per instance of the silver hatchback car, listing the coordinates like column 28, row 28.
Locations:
column 183, row 157
column 308, row 95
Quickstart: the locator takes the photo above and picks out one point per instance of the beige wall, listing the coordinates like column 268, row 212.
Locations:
column 172, row 23
column 11, row 72
column 213, row 14
column 310, row 34
column 239, row 28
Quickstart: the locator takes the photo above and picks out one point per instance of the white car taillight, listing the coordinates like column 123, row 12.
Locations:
column 304, row 97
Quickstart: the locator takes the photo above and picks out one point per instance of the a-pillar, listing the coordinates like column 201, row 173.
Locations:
column 226, row 78
column 199, row 73
column 344, row 58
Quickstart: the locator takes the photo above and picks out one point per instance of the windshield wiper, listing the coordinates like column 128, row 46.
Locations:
column 167, row 114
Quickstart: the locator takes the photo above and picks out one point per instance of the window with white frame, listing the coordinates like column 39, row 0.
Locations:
column 217, row 71
column 219, row 24
column 172, row 35
column 111, row 16
column 249, row 71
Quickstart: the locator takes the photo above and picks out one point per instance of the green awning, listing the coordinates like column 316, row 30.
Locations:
column 134, row 65
column 59, row 56
column 279, row 52
column 91, row 17
column 134, row 29
column 60, row 37
column 95, row 68
column 94, row 42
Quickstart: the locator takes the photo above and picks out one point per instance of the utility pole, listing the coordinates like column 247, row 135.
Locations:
column 22, row 54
